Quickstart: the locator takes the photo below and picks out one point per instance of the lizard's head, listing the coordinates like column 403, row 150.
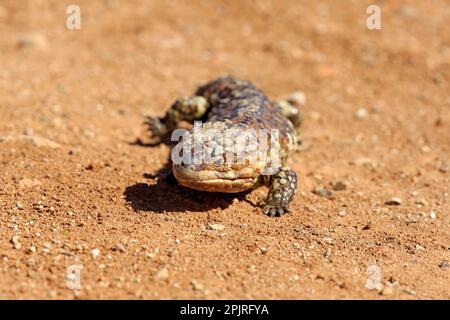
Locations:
column 215, row 163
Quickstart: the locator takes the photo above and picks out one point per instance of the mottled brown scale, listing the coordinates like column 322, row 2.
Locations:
column 231, row 103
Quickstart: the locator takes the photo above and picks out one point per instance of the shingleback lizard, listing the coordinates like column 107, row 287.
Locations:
column 231, row 103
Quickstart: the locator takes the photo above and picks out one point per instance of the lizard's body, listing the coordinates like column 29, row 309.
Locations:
column 228, row 103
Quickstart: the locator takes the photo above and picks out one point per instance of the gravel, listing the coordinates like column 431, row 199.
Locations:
column 388, row 291
column 216, row 227
column 15, row 240
column 363, row 161
column 342, row 213
column 422, row 202
column 338, row 185
column 328, row 253
column 118, row 247
column 162, row 274
column 41, row 142
column 361, row 113
column 197, row 286
column 32, row 40
column 95, row 253
column 394, row 202
column 323, row 192
column 419, row 248
column 31, row 250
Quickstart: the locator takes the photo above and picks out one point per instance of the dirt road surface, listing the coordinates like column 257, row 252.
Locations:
column 78, row 197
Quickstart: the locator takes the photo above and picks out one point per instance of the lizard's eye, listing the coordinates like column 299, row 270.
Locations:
column 219, row 161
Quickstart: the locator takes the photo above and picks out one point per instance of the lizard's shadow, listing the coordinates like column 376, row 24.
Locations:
column 168, row 195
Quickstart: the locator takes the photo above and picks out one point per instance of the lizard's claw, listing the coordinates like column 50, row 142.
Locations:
column 157, row 129
column 275, row 210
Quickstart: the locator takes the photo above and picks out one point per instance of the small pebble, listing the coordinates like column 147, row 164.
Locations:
column 31, row 262
column 162, row 274
column 361, row 113
column 28, row 131
column 393, row 202
column 425, row 149
column 328, row 253
column 89, row 133
column 362, row 161
column 445, row 167
column 19, row 205
column 95, row 252
column 47, row 245
column 444, row 264
column 118, row 247
column 323, row 192
column 338, row 185
column 422, row 202
column 419, row 248
column 367, row 226
column 197, row 286
column 32, row 40
column 216, row 227
column 40, row 142
column 387, row 291
column 31, row 250
column 342, row 213
column 376, row 109
column 411, row 292
column 433, row 215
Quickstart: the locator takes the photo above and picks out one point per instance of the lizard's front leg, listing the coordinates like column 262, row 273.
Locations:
column 291, row 112
column 184, row 109
column 282, row 187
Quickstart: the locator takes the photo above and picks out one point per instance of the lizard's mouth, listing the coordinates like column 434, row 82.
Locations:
column 229, row 181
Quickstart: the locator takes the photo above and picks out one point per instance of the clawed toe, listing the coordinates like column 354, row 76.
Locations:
column 156, row 128
column 275, row 211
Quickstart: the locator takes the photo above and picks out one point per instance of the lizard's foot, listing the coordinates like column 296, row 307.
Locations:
column 275, row 211
column 290, row 112
column 184, row 109
column 158, row 130
column 282, row 190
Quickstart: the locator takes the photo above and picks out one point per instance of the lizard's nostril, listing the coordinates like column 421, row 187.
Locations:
column 219, row 162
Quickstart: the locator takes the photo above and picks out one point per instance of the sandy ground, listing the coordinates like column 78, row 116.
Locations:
column 76, row 191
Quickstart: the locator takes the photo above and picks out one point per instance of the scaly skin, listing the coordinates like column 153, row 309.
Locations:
column 229, row 103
